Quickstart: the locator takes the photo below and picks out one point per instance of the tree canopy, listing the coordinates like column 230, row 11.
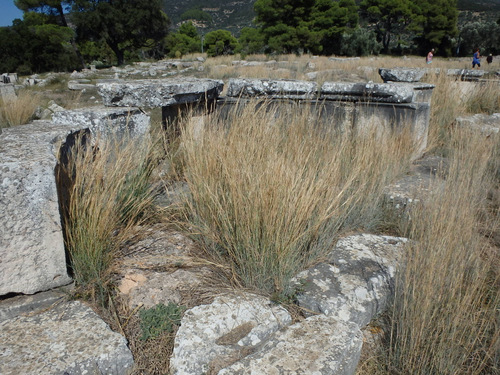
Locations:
column 290, row 26
column 122, row 24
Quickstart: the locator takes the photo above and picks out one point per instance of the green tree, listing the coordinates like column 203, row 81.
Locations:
column 36, row 45
column 482, row 35
column 389, row 17
column 251, row 41
column 435, row 24
column 185, row 40
column 53, row 8
column 290, row 26
column 361, row 42
column 220, row 42
column 125, row 25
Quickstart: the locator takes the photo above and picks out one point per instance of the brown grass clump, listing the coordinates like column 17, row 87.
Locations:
column 108, row 193
column 270, row 192
column 19, row 111
column 445, row 317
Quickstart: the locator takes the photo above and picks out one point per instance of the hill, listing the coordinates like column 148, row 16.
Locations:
column 234, row 15
column 228, row 15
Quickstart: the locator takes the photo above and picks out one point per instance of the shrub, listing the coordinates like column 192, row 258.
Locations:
column 159, row 319
column 220, row 42
column 360, row 42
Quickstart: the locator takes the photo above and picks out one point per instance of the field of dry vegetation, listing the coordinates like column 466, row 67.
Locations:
column 269, row 194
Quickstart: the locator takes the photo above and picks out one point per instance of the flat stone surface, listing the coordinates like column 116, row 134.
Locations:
column 356, row 281
column 210, row 334
column 317, row 345
column 67, row 339
column 7, row 92
column 373, row 92
column 159, row 92
column 32, row 256
column 106, row 121
column 401, row 74
column 239, row 87
column 485, row 124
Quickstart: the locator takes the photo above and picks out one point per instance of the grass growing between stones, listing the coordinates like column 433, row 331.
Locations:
column 108, row 193
column 269, row 192
column 20, row 110
column 446, row 308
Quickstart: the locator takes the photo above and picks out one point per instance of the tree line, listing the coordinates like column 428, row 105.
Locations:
column 71, row 34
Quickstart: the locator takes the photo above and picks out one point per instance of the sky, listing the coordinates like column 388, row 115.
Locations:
column 8, row 12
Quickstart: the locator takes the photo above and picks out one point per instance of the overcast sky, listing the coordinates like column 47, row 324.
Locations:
column 8, row 12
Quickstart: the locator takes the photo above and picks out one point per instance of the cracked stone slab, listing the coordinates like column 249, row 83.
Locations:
column 373, row 92
column 229, row 326
column 319, row 345
column 159, row 92
column 356, row 281
column 290, row 89
column 67, row 339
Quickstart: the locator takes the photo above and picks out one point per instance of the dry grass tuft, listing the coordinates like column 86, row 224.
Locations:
column 108, row 193
column 270, row 192
column 445, row 318
column 20, row 110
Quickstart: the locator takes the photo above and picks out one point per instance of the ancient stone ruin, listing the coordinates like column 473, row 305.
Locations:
column 343, row 294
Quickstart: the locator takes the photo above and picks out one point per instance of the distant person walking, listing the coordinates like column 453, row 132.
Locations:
column 489, row 59
column 476, row 59
column 429, row 57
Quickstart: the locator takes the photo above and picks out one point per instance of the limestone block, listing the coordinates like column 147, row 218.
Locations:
column 318, row 345
column 67, row 339
column 356, row 281
column 32, row 256
column 159, row 92
column 290, row 89
column 7, row 92
column 485, row 124
column 467, row 74
column 401, row 74
column 77, row 86
column 372, row 92
column 105, row 121
column 231, row 325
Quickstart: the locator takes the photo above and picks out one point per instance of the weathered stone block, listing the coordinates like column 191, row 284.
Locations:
column 401, row 74
column 367, row 92
column 318, row 345
column 485, row 124
column 32, row 256
column 160, row 92
column 7, row 92
column 356, row 282
column 209, row 334
column 67, row 339
column 289, row 89
column 106, row 121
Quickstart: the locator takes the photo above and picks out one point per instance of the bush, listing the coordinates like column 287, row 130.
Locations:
column 159, row 319
column 361, row 42
column 220, row 42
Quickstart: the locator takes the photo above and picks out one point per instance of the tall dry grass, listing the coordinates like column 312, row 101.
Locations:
column 20, row 110
column 108, row 192
column 270, row 192
column 446, row 317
